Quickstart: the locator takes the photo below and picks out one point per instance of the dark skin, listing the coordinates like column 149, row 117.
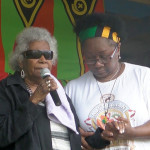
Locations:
column 121, row 129
column 92, row 49
column 33, row 78
column 95, row 48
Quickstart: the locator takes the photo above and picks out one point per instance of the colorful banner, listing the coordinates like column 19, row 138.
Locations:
column 59, row 17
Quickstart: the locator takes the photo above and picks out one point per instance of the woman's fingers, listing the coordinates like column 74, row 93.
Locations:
column 51, row 84
column 47, row 84
column 85, row 145
column 121, row 129
column 123, row 124
column 85, row 134
column 120, row 126
column 107, row 135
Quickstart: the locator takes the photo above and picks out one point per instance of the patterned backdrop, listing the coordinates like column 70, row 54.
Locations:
column 59, row 17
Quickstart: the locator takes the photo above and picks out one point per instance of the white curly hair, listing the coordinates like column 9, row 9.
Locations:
column 23, row 40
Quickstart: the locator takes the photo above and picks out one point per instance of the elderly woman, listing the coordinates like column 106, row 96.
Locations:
column 113, row 98
column 29, row 118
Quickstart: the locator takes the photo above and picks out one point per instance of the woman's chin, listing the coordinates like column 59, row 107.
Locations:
column 100, row 73
column 35, row 77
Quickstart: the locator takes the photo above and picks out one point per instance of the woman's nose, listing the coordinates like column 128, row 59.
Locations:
column 42, row 59
column 99, row 63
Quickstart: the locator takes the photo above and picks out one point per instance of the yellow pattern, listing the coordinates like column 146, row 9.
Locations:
column 77, row 12
column 106, row 32
column 28, row 23
column 75, row 8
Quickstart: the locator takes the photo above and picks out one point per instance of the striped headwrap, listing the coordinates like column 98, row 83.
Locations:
column 97, row 31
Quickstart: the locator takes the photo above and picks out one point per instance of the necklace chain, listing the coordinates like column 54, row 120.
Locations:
column 29, row 89
column 118, row 69
column 106, row 111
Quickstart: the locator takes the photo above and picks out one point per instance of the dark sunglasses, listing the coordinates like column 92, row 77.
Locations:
column 36, row 54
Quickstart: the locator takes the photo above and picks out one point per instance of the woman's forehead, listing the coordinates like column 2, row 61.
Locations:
column 39, row 44
column 98, row 41
column 96, row 44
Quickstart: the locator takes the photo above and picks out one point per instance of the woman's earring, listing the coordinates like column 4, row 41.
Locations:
column 119, row 57
column 22, row 74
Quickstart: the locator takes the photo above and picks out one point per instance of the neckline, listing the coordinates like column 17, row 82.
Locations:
column 28, row 89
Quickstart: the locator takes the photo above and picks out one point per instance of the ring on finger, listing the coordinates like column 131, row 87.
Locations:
column 48, row 82
column 49, row 85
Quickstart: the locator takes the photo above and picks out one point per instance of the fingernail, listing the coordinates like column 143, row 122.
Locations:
column 122, row 131
column 111, row 134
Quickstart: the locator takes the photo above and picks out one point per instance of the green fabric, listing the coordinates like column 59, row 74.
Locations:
column 87, row 33
column 68, row 62
column 11, row 25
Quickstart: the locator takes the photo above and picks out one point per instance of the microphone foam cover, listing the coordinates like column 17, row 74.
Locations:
column 45, row 72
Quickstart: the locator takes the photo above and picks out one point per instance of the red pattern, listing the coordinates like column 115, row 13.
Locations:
column 99, row 6
column 45, row 19
column 3, row 75
column 2, row 55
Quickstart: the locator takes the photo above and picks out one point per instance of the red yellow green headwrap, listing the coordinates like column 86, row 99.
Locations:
column 97, row 31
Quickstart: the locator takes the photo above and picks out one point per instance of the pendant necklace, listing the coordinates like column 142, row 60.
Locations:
column 29, row 89
column 106, row 101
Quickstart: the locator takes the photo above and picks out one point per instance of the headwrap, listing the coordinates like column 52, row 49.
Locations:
column 97, row 31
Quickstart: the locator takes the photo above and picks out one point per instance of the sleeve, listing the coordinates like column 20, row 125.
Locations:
column 16, row 118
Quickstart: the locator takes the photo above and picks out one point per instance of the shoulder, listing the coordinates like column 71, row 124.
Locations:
column 12, row 83
column 137, row 68
column 11, row 79
column 4, row 82
column 141, row 73
column 78, row 85
column 80, row 80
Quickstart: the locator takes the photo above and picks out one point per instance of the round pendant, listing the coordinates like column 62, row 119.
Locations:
column 104, row 120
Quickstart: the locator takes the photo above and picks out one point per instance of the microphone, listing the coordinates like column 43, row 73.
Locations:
column 44, row 73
